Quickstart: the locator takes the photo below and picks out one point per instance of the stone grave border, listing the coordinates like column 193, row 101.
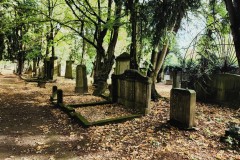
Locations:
column 57, row 100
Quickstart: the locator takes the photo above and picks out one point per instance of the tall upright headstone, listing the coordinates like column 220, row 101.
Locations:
column 53, row 63
column 122, row 63
column 59, row 69
column 68, row 72
column 81, row 79
column 49, row 67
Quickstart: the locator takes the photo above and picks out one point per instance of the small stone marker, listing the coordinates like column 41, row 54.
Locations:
column 59, row 96
column 183, row 107
column 54, row 93
column 81, row 79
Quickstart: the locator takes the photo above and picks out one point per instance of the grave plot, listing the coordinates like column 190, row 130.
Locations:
column 81, row 99
column 130, row 99
column 106, row 113
column 93, row 113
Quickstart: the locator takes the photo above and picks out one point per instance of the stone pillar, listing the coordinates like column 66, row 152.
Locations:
column 176, row 80
column 68, row 72
column 81, row 79
column 54, row 93
column 182, row 107
column 59, row 96
column 122, row 63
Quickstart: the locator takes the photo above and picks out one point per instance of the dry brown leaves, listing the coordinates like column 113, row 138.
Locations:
column 148, row 137
column 101, row 112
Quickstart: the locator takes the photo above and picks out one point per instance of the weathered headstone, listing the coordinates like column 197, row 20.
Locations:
column 168, row 79
column 133, row 90
column 49, row 67
column 81, row 79
column 182, row 107
column 54, row 72
column 176, row 79
column 122, row 63
column 68, row 72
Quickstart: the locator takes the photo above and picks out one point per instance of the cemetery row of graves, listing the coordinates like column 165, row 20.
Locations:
column 130, row 103
column 129, row 95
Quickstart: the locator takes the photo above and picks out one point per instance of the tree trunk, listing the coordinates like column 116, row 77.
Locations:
column 20, row 62
column 2, row 46
column 160, row 59
column 105, row 68
column 133, row 20
column 157, row 63
column 233, row 8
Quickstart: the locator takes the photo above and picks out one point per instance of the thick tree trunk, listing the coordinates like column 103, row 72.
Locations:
column 160, row 59
column 133, row 20
column 104, row 68
column 233, row 7
column 20, row 62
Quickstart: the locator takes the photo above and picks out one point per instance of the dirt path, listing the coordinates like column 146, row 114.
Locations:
column 29, row 125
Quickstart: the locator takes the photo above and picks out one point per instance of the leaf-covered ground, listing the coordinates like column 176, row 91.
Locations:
column 31, row 128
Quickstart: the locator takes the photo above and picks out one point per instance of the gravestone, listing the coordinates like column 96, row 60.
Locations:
column 176, row 79
column 168, row 79
column 55, row 68
column 183, row 107
column 81, row 79
column 49, row 67
column 68, row 72
column 59, row 69
column 132, row 89
column 122, row 63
